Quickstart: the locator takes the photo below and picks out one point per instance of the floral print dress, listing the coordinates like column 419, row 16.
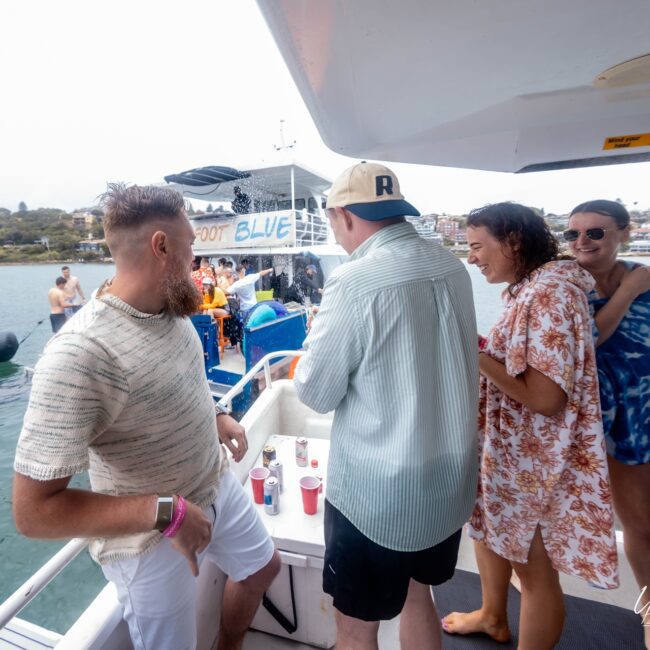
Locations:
column 544, row 471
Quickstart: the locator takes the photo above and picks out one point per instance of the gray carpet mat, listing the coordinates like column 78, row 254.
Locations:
column 588, row 625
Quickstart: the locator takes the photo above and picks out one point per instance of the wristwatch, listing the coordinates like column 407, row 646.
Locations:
column 164, row 512
column 220, row 409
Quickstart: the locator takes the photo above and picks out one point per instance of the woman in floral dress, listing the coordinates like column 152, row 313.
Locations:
column 621, row 302
column 543, row 502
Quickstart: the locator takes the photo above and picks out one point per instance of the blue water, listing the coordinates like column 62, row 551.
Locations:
column 23, row 302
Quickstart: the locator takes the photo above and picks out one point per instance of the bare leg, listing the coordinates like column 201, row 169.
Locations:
column 630, row 489
column 492, row 618
column 240, row 602
column 418, row 626
column 542, row 607
column 355, row 634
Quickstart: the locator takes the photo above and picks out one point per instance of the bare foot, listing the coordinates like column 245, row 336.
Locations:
column 476, row 622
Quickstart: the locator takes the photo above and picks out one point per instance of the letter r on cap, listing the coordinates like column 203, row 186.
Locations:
column 383, row 184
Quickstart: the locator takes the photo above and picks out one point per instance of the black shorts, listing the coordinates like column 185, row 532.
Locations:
column 57, row 321
column 370, row 582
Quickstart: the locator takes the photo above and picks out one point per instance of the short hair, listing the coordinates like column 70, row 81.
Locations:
column 61, row 279
column 65, row 268
column 228, row 264
column 522, row 228
column 130, row 207
column 612, row 209
column 244, row 262
column 240, row 267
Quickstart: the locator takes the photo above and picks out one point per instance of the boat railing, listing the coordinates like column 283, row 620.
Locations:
column 37, row 582
column 263, row 364
column 34, row 585
column 311, row 228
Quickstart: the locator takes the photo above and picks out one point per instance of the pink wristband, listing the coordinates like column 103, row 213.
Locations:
column 177, row 519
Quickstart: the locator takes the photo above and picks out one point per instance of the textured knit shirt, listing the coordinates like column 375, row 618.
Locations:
column 397, row 359
column 124, row 395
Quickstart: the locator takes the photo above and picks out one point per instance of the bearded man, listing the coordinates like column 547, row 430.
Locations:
column 122, row 393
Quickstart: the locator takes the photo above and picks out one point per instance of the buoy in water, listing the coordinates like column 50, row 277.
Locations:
column 8, row 345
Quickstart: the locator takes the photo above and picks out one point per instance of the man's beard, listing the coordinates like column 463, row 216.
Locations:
column 182, row 298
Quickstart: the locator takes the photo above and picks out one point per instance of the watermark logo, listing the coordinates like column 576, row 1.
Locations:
column 643, row 610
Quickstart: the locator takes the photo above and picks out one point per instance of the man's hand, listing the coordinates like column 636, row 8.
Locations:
column 233, row 435
column 193, row 536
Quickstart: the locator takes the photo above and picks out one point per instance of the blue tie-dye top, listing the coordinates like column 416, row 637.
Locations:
column 624, row 376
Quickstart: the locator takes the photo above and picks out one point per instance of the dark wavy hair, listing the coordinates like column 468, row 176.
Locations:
column 607, row 208
column 521, row 228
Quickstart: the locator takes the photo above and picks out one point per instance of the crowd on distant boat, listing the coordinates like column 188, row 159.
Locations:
column 560, row 386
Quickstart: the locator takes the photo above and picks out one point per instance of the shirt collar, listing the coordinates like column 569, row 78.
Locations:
column 383, row 237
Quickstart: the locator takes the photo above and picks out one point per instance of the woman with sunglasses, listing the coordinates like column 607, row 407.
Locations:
column 543, row 502
column 621, row 301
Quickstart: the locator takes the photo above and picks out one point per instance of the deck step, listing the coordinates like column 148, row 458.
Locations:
column 23, row 635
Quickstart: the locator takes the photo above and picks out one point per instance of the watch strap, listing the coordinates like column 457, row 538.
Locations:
column 220, row 409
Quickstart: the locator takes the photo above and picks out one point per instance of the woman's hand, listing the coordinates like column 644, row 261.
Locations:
column 636, row 281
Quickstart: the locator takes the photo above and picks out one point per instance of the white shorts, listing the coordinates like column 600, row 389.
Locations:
column 158, row 590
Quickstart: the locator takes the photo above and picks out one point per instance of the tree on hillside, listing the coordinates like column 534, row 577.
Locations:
column 209, row 208
column 4, row 213
column 22, row 206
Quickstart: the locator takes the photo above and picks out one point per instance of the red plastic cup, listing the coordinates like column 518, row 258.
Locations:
column 258, row 475
column 309, row 486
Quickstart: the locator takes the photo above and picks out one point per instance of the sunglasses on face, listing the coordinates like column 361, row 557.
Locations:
column 592, row 233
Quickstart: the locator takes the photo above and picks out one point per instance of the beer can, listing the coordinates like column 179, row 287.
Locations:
column 301, row 452
column 268, row 454
column 275, row 467
column 271, row 496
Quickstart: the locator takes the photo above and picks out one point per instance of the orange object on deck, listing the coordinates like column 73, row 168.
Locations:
column 222, row 341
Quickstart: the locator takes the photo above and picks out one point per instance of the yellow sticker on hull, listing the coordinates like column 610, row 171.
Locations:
column 627, row 141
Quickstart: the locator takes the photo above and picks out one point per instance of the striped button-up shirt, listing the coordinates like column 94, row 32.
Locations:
column 393, row 350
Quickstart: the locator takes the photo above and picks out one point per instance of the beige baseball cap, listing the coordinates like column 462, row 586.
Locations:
column 371, row 191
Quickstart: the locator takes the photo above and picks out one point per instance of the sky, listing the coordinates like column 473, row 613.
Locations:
column 95, row 92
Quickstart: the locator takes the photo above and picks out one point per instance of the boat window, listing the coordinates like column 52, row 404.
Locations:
column 312, row 206
column 265, row 206
column 286, row 205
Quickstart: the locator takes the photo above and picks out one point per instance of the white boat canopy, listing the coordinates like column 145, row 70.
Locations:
column 509, row 86
column 272, row 182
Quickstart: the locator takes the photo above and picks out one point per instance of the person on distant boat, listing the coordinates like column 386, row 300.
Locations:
column 543, row 503
column 248, row 266
column 58, row 304
column 244, row 287
column 226, row 279
column 204, row 271
column 122, row 393
column 305, row 285
column 404, row 384
column 71, row 290
column 241, row 204
column 621, row 301
column 215, row 302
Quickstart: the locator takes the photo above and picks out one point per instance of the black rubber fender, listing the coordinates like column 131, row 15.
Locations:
column 8, row 345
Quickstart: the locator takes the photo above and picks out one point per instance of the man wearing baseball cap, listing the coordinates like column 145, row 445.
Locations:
column 396, row 358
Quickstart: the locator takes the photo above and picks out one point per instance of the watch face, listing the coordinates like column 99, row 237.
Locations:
column 164, row 512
